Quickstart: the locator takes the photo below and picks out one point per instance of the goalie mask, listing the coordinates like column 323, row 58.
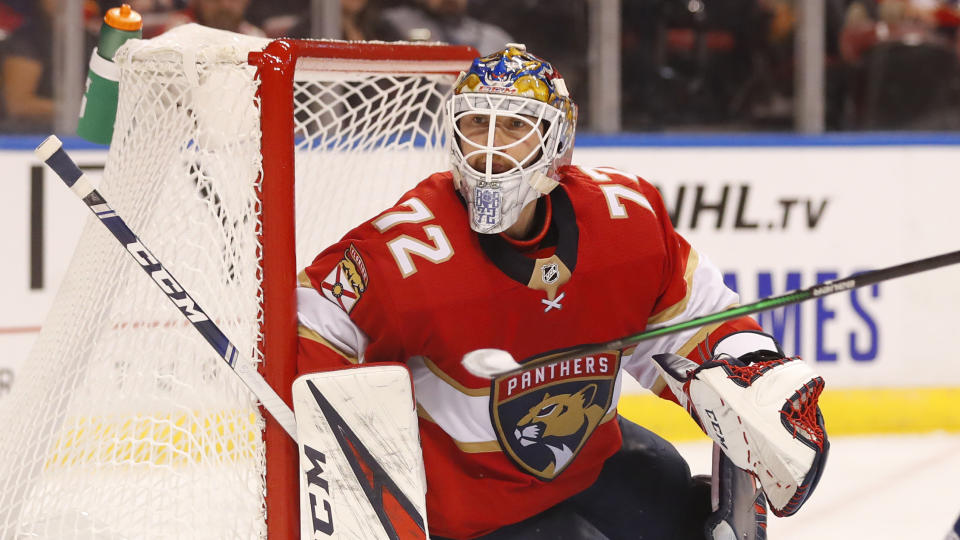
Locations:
column 513, row 125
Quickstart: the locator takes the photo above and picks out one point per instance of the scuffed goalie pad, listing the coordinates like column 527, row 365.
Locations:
column 361, row 470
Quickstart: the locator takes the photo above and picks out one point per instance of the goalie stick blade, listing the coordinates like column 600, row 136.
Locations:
column 489, row 363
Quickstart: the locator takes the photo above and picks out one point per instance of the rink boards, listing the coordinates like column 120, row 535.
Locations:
column 774, row 213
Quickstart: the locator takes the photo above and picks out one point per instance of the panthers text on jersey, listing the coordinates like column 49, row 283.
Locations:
column 416, row 285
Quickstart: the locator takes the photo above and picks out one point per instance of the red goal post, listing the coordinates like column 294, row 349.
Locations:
column 276, row 67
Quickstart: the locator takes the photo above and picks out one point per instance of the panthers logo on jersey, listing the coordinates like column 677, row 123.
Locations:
column 544, row 416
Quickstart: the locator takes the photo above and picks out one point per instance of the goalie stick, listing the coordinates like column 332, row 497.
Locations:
column 490, row 363
column 52, row 153
column 954, row 533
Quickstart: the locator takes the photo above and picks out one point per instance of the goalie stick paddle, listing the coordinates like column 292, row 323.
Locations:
column 490, row 363
column 52, row 153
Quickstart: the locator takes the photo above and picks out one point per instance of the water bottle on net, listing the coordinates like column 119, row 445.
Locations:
column 98, row 110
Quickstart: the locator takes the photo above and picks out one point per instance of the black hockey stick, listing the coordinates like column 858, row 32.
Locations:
column 52, row 153
column 490, row 363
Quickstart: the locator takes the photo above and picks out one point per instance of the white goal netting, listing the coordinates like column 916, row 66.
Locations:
column 123, row 422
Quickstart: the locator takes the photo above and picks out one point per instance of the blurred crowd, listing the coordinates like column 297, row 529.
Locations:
column 686, row 64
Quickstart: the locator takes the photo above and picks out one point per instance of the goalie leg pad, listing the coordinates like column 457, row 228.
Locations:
column 739, row 506
column 361, row 468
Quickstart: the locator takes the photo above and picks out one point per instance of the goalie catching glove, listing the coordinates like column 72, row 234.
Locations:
column 761, row 408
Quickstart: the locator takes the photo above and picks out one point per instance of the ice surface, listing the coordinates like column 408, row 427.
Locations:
column 901, row 487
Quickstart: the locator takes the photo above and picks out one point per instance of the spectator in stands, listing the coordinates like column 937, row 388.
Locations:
column 535, row 22
column 871, row 22
column 358, row 21
column 145, row 6
column 901, row 60
column 867, row 22
column 12, row 16
column 27, row 76
column 278, row 18
column 440, row 20
column 227, row 15
column 27, row 69
column 263, row 12
column 689, row 62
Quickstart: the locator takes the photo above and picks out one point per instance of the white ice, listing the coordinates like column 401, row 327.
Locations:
column 902, row 487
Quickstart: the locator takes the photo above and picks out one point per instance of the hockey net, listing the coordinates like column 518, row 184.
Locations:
column 124, row 423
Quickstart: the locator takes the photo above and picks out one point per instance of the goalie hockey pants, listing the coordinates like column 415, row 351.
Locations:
column 644, row 491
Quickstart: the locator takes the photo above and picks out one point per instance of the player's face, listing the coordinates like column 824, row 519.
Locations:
column 517, row 136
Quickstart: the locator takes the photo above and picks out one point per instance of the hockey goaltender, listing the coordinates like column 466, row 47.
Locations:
column 517, row 249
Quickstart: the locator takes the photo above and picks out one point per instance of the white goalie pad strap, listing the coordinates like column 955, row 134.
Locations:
column 746, row 418
column 361, row 468
column 738, row 344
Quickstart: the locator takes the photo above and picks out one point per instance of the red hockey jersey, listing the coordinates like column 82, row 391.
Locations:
column 416, row 285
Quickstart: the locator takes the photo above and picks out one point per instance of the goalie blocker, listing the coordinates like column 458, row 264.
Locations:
column 361, row 470
column 761, row 409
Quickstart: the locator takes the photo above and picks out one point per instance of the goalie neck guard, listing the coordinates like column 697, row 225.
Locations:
column 515, row 86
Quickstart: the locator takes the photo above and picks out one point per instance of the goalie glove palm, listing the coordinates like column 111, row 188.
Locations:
column 764, row 416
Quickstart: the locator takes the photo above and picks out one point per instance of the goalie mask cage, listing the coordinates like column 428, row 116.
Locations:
column 123, row 422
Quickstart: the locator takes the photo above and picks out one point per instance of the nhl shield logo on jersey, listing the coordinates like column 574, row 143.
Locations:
column 551, row 273
column 544, row 416
column 345, row 284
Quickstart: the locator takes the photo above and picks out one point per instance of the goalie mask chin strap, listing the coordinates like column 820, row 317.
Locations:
column 525, row 270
